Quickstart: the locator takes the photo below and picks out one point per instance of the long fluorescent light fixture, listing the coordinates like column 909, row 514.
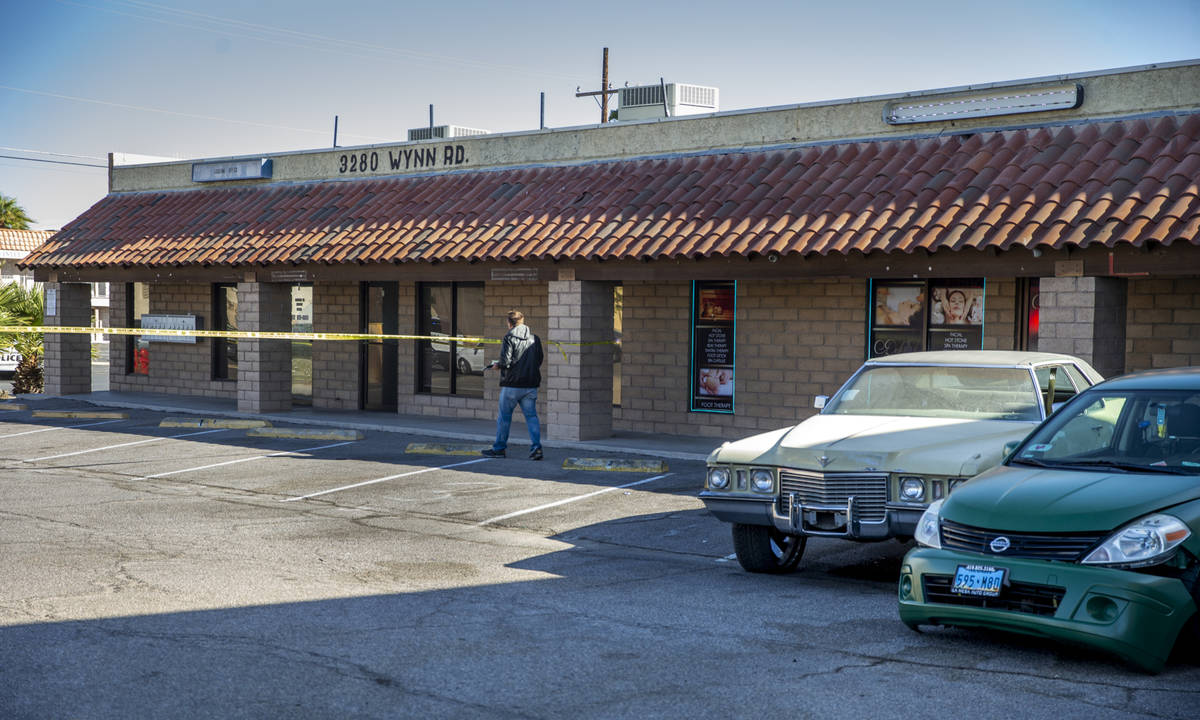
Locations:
column 1063, row 97
column 257, row 169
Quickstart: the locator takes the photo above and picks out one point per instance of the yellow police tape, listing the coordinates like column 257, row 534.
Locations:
column 264, row 335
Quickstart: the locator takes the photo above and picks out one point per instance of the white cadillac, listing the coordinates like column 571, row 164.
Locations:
column 903, row 431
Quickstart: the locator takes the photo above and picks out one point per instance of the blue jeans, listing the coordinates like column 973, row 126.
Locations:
column 510, row 397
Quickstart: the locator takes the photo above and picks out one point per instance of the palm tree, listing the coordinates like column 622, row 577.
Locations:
column 21, row 306
column 12, row 215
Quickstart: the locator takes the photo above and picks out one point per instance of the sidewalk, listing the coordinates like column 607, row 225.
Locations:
column 677, row 447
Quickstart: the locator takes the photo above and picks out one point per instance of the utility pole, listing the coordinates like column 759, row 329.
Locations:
column 604, row 91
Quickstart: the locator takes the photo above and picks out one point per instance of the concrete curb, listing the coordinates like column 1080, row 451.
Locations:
column 95, row 414
column 614, row 465
column 229, row 424
column 442, row 449
column 408, row 429
column 306, row 433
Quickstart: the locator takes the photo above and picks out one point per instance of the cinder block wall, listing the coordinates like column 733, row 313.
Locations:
column 1000, row 315
column 335, row 362
column 66, row 360
column 1086, row 317
column 1163, row 323
column 175, row 368
column 498, row 299
column 795, row 340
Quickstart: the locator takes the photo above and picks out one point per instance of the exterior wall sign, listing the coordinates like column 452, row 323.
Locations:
column 259, row 169
column 713, row 346
column 420, row 157
column 911, row 316
column 515, row 274
column 170, row 322
column 302, row 307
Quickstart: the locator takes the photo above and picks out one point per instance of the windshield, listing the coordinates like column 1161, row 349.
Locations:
column 977, row 393
column 1136, row 431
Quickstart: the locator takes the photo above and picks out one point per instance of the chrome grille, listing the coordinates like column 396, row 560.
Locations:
column 868, row 489
column 1068, row 547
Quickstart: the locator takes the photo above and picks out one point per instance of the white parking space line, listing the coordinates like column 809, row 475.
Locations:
column 383, row 479
column 242, row 460
column 577, row 498
column 121, row 445
column 65, row 427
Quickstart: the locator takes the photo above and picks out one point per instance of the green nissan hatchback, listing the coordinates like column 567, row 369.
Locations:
column 1088, row 533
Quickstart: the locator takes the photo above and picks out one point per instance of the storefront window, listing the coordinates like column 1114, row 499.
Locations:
column 916, row 315
column 451, row 367
column 225, row 353
column 137, row 304
column 713, row 347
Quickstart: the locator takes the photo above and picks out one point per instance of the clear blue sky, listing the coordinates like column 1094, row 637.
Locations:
column 210, row 78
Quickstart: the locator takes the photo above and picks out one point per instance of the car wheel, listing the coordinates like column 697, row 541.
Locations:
column 762, row 549
column 464, row 367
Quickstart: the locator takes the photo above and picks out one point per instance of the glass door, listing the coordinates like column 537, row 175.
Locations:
column 302, row 321
column 379, row 359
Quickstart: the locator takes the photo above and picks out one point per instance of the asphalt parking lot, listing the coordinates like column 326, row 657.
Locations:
column 172, row 571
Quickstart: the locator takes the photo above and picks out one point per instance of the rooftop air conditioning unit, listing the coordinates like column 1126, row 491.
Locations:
column 443, row 132
column 644, row 102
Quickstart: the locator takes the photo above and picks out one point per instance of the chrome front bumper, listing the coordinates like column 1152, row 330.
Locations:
column 819, row 519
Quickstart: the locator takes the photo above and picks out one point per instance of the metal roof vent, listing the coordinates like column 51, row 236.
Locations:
column 643, row 102
column 443, row 132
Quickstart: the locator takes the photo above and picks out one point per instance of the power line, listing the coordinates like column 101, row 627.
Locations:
column 47, row 152
column 85, row 165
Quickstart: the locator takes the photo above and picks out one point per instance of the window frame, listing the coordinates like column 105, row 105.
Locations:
column 917, row 332
column 134, row 321
column 420, row 346
column 223, row 349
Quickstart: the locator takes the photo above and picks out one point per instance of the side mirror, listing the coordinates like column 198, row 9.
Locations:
column 1009, row 447
column 819, row 401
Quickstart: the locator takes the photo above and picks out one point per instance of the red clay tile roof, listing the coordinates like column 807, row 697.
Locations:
column 1129, row 181
column 21, row 241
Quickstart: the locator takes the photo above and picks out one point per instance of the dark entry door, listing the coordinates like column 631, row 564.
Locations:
column 379, row 358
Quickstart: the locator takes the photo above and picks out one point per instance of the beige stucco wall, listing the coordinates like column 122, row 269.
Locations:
column 1105, row 94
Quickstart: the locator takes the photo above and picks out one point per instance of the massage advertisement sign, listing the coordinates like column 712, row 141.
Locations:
column 915, row 315
column 713, row 345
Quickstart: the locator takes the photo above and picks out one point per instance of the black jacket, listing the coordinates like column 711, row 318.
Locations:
column 520, row 357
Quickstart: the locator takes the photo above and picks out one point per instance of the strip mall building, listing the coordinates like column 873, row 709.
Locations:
column 746, row 261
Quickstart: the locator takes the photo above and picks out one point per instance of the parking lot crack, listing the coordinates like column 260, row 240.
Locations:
column 340, row 666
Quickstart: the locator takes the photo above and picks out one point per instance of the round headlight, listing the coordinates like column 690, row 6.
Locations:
column 762, row 480
column 718, row 478
column 912, row 489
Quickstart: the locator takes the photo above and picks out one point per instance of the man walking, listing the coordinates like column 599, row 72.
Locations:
column 520, row 359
